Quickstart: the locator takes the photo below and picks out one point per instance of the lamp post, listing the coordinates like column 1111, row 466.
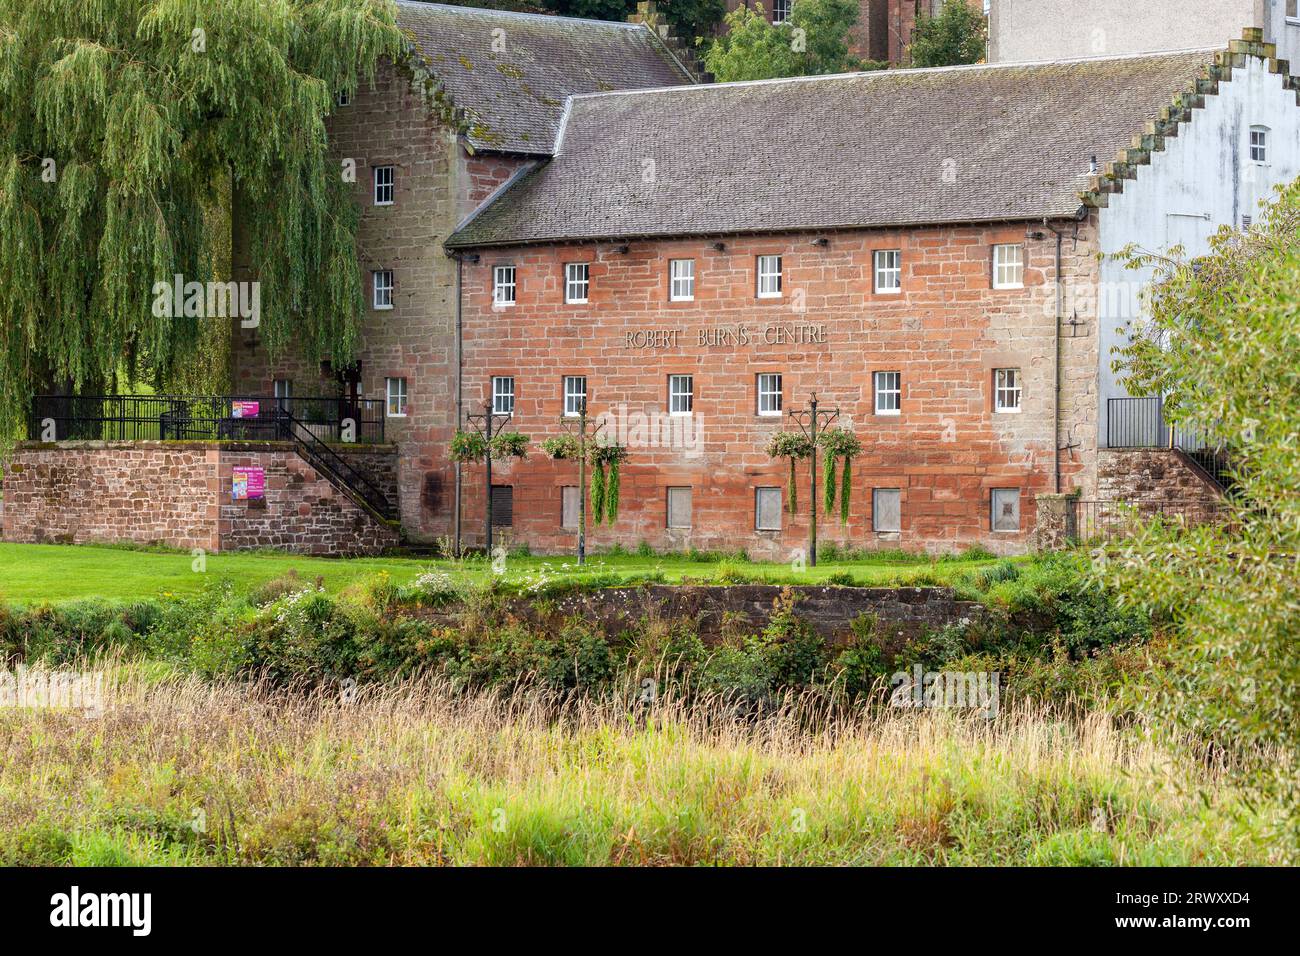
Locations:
column 578, row 425
column 812, row 421
column 486, row 424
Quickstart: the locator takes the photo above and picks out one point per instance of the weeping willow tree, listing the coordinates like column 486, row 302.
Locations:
column 123, row 125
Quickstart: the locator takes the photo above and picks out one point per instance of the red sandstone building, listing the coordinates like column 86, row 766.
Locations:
column 573, row 217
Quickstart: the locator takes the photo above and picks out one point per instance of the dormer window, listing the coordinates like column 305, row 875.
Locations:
column 1259, row 144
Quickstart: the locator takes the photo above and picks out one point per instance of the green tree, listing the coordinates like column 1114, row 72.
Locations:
column 1221, row 344
column 956, row 36
column 813, row 41
column 123, row 124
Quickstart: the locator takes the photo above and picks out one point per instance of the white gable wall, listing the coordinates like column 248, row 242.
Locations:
column 1203, row 179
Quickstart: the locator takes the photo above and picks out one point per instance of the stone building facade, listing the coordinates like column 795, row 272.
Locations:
column 933, row 463
column 502, row 82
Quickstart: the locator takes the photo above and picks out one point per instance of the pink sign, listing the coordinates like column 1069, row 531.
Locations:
column 248, row 483
column 244, row 409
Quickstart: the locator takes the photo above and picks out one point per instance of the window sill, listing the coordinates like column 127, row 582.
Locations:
column 391, row 415
column 888, row 291
column 1006, row 411
column 888, row 414
column 386, row 204
column 382, row 308
column 503, row 305
column 686, row 298
column 680, row 414
column 1005, row 288
column 769, row 414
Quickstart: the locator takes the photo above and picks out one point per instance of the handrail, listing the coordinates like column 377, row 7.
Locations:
column 326, row 460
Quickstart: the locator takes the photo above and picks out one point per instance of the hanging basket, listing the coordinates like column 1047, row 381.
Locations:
column 467, row 447
column 561, row 448
column 509, row 445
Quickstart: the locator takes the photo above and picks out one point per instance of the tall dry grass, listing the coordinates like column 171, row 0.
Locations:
column 179, row 770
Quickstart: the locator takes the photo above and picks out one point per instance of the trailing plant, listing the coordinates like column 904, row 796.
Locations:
column 561, row 447
column 795, row 446
column 605, row 462
column 597, row 492
column 509, row 445
column 467, row 447
column 839, row 443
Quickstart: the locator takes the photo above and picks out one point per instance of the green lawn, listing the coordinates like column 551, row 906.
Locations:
column 53, row 573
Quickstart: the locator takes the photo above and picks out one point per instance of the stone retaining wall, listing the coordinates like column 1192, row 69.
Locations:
column 178, row 494
column 903, row 613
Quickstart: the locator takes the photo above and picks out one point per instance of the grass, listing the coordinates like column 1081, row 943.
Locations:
column 178, row 771
column 31, row 573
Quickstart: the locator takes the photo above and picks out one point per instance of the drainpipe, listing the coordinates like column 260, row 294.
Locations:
column 1056, row 362
column 460, row 412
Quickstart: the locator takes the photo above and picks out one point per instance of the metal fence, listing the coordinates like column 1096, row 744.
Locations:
column 209, row 418
column 1140, row 423
column 1112, row 520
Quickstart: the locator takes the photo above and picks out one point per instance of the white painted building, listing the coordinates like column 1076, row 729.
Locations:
column 1225, row 161
column 1028, row 30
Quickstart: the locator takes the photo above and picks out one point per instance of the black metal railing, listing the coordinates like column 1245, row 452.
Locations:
column 1095, row 521
column 333, row 466
column 1141, row 423
column 201, row 418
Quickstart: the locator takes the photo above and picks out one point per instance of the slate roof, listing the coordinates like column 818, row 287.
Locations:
column 516, row 98
column 889, row 148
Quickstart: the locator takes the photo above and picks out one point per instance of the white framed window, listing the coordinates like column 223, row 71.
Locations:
column 577, row 282
column 395, row 391
column 503, row 285
column 1006, row 390
column 1009, row 266
column 681, row 394
column 1004, row 505
column 385, row 178
column 342, row 98
column 679, row 507
column 889, row 393
column 570, row 502
column 769, row 277
column 781, row 10
column 575, row 395
column 503, row 395
column 282, row 388
column 382, row 284
column 769, row 394
column 1292, row 13
column 681, row 280
column 767, row 509
column 1259, row 144
column 886, row 510
column 888, row 270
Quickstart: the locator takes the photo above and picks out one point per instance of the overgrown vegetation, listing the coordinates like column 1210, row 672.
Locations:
column 1043, row 619
column 957, row 35
column 183, row 771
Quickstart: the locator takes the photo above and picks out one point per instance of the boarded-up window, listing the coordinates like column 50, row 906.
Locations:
column 886, row 510
column 570, row 501
column 503, row 506
column 679, row 507
column 767, row 509
column 1006, row 509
